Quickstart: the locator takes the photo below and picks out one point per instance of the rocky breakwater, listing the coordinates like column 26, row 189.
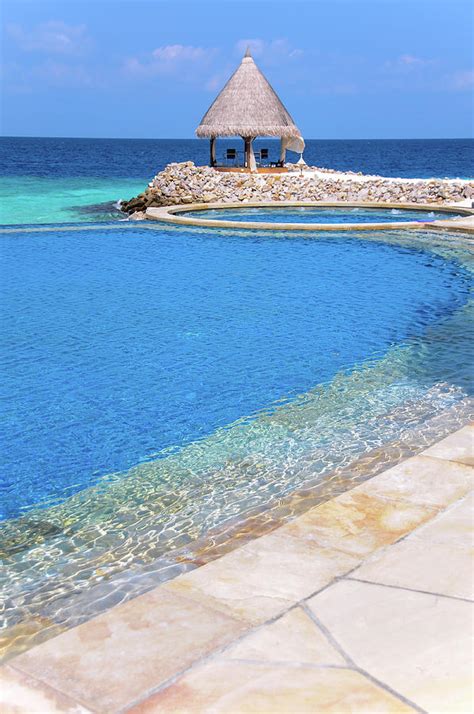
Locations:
column 186, row 183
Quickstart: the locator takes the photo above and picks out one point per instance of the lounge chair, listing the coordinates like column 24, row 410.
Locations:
column 231, row 155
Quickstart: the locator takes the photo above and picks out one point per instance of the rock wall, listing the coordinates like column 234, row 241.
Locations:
column 187, row 183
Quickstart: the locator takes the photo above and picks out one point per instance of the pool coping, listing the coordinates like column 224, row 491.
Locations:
column 168, row 649
column 171, row 214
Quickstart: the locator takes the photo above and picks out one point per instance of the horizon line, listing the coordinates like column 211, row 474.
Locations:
column 269, row 138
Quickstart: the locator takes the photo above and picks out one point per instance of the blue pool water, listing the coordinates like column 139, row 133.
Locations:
column 320, row 215
column 120, row 345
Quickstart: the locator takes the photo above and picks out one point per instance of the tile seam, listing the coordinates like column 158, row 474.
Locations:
column 433, row 457
column 436, row 511
column 390, row 690
column 215, row 653
column 328, row 635
column 439, row 511
column 406, row 589
column 94, row 710
column 353, row 665
column 47, row 685
column 289, row 663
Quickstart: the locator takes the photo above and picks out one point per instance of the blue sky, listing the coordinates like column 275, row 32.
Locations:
column 147, row 68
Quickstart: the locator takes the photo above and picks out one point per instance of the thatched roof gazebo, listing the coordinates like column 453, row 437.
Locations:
column 248, row 107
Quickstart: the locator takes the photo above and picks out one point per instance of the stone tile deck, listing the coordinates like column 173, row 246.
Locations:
column 363, row 604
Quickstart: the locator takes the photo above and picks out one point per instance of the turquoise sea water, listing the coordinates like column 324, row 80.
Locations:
column 37, row 200
column 76, row 180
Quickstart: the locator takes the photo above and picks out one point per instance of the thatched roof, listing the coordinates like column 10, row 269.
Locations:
column 247, row 106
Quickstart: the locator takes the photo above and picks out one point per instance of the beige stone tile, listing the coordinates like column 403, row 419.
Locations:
column 454, row 526
column 20, row 694
column 244, row 688
column 435, row 568
column 424, row 480
column 292, row 638
column 263, row 578
column 358, row 523
column 418, row 644
column 111, row 660
column 456, row 447
column 436, row 558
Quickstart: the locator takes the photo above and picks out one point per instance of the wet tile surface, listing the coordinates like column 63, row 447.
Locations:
column 240, row 688
column 437, row 558
column 20, row 637
column 21, row 693
column 293, row 638
column 423, row 480
column 455, row 526
column 456, row 447
column 358, row 523
column 108, row 662
column 263, row 578
column 418, row 644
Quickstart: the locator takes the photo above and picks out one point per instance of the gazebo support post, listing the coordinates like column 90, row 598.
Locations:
column 213, row 151
column 248, row 145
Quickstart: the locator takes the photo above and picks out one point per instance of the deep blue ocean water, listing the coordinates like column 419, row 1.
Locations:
column 80, row 180
column 143, row 158
column 120, row 343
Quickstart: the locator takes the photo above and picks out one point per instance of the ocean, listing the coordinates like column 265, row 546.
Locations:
column 81, row 180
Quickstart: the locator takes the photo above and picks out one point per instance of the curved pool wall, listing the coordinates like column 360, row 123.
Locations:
column 139, row 526
column 341, row 216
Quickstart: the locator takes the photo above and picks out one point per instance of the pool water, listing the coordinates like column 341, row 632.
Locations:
column 320, row 215
column 119, row 344
column 161, row 387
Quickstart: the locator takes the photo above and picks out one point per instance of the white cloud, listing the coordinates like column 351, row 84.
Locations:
column 54, row 37
column 170, row 60
column 408, row 63
column 411, row 72
column 217, row 81
column 461, row 81
column 256, row 47
column 50, row 73
column 179, row 53
column 63, row 74
column 272, row 52
column 413, row 61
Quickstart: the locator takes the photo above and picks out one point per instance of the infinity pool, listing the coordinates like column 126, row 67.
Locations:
column 121, row 344
column 160, row 387
column 320, row 215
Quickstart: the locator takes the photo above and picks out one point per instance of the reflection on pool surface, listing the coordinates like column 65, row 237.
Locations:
column 162, row 386
column 118, row 345
column 320, row 215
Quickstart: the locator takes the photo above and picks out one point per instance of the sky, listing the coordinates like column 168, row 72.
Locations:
column 345, row 69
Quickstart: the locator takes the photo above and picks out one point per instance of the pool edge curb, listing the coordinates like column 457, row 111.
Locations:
column 171, row 214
